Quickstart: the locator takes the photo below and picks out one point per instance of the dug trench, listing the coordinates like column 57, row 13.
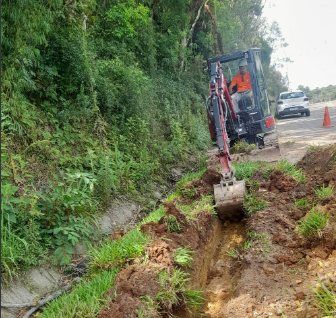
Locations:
column 258, row 267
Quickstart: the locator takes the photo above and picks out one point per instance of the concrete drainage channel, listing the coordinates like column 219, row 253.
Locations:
column 33, row 285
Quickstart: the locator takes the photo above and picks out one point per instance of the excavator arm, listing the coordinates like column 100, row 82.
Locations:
column 229, row 194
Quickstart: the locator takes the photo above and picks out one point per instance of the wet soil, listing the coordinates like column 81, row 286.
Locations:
column 259, row 267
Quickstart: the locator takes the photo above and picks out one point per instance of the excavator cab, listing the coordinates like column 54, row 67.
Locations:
column 247, row 119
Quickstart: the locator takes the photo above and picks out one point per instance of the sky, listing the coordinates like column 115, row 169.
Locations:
column 309, row 28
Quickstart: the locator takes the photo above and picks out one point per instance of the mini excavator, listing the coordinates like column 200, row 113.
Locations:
column 228, row 124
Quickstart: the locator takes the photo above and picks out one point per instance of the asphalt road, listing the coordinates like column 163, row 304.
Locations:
column 296, row 133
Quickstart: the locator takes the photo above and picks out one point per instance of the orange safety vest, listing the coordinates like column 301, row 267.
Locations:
column 243, row 82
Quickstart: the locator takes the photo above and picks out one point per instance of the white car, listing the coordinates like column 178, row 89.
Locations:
column 294, row 102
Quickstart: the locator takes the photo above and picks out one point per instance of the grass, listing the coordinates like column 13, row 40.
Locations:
column 325, row 298
column 150, row 308
column 245, row 170
column 173, row 225
column 263, row 239
column 188, row 192
column 302, row 203
column 172, row 284
column 241, row 147
column 314, row 224
column 13, row 250
column 153, row 217
column 183, row 257
column 287, row 168
column 190, row 177
column 206, row 203
column 289, row 143
column 193, row 299
column 251, row 204
column 116, row 253
column 324, row 192
column 85, row 300
column 172, row 292
column 234, row 253
column 313, row 148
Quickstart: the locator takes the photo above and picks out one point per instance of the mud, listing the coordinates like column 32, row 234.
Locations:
column 259, row 267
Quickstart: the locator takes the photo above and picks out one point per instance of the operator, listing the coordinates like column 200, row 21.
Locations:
column 243, row 82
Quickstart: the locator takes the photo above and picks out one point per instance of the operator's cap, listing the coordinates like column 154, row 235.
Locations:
column 242, row 62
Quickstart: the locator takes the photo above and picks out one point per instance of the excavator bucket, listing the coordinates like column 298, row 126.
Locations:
column 229, row 199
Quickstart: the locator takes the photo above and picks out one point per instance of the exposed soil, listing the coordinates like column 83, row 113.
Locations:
column 259, row 267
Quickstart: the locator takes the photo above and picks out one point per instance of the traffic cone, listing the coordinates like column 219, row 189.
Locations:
column 326, row 121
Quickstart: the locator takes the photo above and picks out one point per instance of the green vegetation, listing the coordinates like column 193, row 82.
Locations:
column 173, row 291
column 13, row 248
column 150, row 308
column 193, row 299
column 115, row 253
column 261, row 242
column 302, row 203
column 252, row 204
column 312, row 148
column 189, row 177
column 206, row 203
column 325, row 298
column 245, row 170
column 289, row 143
column 85, row 299
column 183, row 257
column 172, row 224
column 234, row 253
column 100, row 99
column 290, row 169
column 241, row 147
column 171, row 284
column 313, row 224
column 153, row 217
column 324, row 192
column 317, row 95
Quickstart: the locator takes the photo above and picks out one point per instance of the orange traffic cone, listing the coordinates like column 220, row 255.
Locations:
column 326, row 121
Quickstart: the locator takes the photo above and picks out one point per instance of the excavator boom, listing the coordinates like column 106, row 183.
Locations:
column 229, row 194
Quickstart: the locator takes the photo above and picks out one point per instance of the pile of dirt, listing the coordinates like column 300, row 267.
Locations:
column 319, row 168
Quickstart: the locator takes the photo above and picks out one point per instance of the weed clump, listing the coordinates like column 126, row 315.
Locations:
column 325, row 298
column 324, row 192
column 285, row 167
column 183, row 257
column 314, row 224
column 173, row 225
column 302, row 203
column 242, row 147
column 252, row 204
